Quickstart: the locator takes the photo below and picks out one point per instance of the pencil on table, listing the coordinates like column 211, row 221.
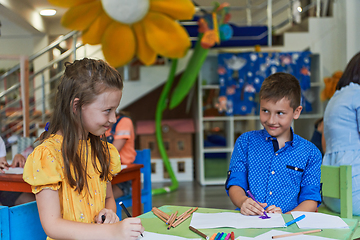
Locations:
column 180, row 220
column 172, row 220
column 160, row 212
column 184, row 213
column 198, row 232
column 294, row 234
column 159, row 216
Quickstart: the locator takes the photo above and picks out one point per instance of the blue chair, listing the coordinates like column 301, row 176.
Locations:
column 142, row 157
column 4, row 222
column 24, row 222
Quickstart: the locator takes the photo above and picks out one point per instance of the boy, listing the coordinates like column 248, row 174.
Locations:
column 281, row 169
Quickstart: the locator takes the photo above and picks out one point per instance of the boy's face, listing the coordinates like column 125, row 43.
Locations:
column 276, row 117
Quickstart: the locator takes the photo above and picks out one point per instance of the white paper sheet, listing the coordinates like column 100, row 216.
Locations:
column 244, row 238
column 16, row 170
column 235, row 220
column 319, row 221
column 268, row 236
column 158, row 236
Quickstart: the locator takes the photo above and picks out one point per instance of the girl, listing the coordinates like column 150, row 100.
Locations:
column 342, row 130
column 70, row 171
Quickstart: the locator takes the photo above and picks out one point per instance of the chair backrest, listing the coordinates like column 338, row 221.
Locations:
column 24, row 222
column 337, row 183
column 144, row 157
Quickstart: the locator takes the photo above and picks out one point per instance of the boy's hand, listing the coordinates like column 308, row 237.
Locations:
column 273, row 209
column 110, row 216
column 250, row 207
column 129, row 228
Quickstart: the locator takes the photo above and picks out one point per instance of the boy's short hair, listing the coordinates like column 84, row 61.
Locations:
column 280, row 85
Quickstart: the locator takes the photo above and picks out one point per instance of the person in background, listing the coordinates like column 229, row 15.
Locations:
column 12, row 198
column 71, row 170
column 280, row 168
column 342, row 130
column 122, row 136
column 317, row 135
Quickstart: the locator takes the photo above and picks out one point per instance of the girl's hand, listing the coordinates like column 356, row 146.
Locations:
column 128, row 229
column 110, row 216
column 250, row 207
column 273, row 209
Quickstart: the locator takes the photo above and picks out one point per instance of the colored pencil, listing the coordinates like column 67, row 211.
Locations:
column 232, row 236
column 159, row 216
column 171, row 222
column 213, row 236
column 161, row 213
column 170, row 218
column 180, row 220
column 198, row 232
column 217, row 236
column 294, row 234
column 184, row 213
column 227, row 236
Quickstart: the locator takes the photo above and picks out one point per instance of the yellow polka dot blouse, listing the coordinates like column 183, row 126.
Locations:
column 44, row 168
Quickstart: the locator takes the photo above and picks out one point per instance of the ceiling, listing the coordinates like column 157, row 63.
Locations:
column 27, row 14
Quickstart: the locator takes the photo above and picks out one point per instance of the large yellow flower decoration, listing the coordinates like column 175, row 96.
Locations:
column 129, row 28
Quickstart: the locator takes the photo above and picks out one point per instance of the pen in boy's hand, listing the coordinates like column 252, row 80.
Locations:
column 253, row 198
column 103, row 217
column 126, row 212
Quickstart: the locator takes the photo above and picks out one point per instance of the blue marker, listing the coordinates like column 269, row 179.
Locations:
column 220, row 236
column 295, row 220
column 217, row 236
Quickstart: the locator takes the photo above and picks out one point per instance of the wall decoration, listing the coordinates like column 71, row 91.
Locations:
column 241, row 76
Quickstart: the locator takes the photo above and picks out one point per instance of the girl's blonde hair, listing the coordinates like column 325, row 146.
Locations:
column 83, row 79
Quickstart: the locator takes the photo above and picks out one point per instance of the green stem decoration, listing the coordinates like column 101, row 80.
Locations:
column 161, row 106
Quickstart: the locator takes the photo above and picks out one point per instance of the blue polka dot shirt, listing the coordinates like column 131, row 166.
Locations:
column 282, row 177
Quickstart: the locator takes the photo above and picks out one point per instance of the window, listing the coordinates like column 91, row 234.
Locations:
column 151, row 146
column 181, row 167
column 153, row 167
column 180, row 145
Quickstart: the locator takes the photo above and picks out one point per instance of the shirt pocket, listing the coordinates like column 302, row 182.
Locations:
column 295, row 174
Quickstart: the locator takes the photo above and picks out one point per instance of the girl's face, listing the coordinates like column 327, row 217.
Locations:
column 98, row 116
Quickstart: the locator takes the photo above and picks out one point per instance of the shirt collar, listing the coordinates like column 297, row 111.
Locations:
column 268, row 137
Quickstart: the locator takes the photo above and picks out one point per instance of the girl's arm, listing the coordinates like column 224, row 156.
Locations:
column 305, row 206
column 110, row 207
column 58, row 228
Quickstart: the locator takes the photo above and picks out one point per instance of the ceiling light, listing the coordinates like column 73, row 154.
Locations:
column 48, row 12
column 299, row 9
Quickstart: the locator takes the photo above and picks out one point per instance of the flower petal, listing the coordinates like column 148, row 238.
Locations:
column 68, row 3
column 177, row 9
column 165, row 36
column 144, row 52
column 118, row 44
column 80, row 17
column 94, row 33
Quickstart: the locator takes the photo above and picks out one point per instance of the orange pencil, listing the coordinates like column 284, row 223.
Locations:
column 159, row 216
column 171, row 222
column 213, row 236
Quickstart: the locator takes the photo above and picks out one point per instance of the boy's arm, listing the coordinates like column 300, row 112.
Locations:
column 305, row 206
column 247, row 205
